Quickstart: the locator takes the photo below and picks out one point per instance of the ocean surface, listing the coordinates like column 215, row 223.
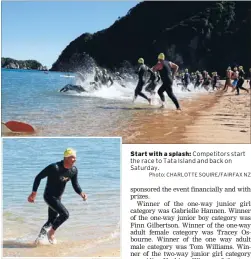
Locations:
column 34, row 97
column 94, row 222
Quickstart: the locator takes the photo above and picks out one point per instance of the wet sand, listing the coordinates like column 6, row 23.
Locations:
column 205, row 118
column 70, row 249
column 210, row 118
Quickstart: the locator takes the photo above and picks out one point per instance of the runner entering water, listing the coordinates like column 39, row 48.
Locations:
column 165, row 69
column 152, row 82
column 141, row 73
column 58, row 174
column 241, row 81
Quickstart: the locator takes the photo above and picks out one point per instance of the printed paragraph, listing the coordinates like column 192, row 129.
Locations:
column 193, row 229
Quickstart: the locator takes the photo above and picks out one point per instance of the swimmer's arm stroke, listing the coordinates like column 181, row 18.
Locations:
column 44, row 173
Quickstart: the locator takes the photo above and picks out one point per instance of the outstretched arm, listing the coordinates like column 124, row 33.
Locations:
column 65, row 88
column 44, row 173
column 62, row 90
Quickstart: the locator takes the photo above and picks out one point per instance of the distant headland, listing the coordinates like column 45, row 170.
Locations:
column 22, row 64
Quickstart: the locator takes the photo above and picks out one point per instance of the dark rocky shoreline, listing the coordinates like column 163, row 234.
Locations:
column 204, row 35
column 11, row 63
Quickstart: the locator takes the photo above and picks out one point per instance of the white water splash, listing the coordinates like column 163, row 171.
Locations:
column 118, row 92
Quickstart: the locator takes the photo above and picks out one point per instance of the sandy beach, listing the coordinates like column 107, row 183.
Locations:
column 69, row 249
column 210, row 118
column 214, row 117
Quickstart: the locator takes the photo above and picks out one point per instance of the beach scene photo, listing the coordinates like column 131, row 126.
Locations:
column 150, row 72
column 84, row 204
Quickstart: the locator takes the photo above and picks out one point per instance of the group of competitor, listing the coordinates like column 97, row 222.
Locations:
column 198, row 79
column 234, row 78
column 101, row 78
column 167, row 72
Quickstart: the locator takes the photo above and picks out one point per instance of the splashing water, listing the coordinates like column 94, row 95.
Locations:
column 118, row 92
column 34, row 97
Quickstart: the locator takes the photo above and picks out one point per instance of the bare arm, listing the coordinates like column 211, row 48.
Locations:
column 157, row 67
column 174, row 67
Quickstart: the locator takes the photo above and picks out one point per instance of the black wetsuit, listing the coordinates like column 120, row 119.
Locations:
column 166, row 77
column 141, row 73
column 193, row 77
column 153, row 81
column 105, row 79
column 97, row 80
column 206, row 79
column 228, row 80
column 250, row 79
column 214, row 81
column 240, row 82
column 57, row 177
column 186, row 80
column 97, row 77
column 77, row 88
column 198, row 80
